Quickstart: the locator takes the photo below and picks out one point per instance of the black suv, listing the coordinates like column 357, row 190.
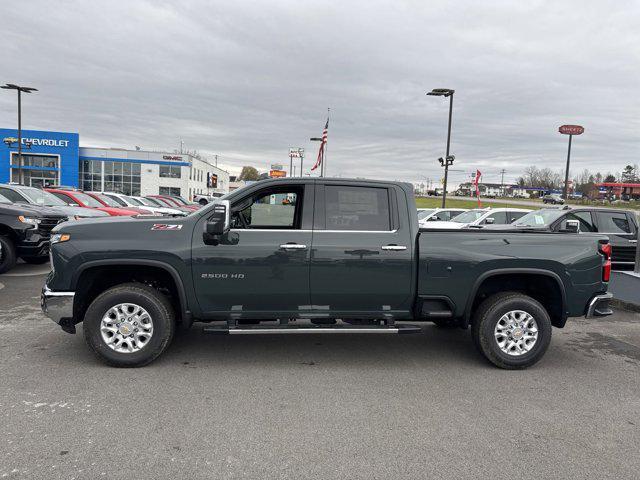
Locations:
column 621, row 226
column 24, row 233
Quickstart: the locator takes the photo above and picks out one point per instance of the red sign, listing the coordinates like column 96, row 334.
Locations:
column 277, row 173
column 571, row 130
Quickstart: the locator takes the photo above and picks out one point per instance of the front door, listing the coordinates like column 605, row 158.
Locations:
column 361, row 262
column 260, row 268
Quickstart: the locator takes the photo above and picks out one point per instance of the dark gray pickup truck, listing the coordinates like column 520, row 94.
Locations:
column 318, row 256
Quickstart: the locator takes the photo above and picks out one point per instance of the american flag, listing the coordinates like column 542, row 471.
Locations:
column 322, row 144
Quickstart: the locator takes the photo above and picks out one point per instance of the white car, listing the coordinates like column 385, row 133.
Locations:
column 128, row 201
column 479, row 217
column 438, row 214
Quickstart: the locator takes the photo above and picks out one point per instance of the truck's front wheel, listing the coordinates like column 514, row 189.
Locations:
column 7, row 254
column 129, row 325
column 511, row 330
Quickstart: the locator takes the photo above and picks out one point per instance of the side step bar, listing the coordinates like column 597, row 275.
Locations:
column 289, row 329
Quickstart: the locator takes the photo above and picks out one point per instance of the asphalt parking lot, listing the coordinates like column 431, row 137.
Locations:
column 403, row 406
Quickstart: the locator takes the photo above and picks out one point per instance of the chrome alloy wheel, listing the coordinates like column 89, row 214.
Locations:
column 126, row 328
column 516, row 333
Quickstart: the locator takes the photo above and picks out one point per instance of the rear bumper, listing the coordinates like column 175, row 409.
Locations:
column 599, row 306
column 58, row 306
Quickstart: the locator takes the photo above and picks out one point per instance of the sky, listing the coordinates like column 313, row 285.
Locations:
column 248, row 80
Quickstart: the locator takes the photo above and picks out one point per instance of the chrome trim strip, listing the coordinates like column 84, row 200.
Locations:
column 259, row 331
column 269, row 230
column 293, row 246
column 56, row 305
column 393, row 247
column 594, row 303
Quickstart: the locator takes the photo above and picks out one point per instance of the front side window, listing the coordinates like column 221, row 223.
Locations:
column 513, row 216
column 499, row 218
column 586, row 222
column 357, row 208
column 273, row 209
column 13, row 196
column 613, row 222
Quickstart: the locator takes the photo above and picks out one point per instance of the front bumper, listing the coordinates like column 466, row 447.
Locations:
column 599, row 306
column 58, row 306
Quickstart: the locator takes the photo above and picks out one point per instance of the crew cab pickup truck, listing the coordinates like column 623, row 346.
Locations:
column 294, row 256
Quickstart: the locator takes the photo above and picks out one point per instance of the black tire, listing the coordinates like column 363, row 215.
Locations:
column 7, row 254
column 36, row 260
column 488, row 315
column 159, row 309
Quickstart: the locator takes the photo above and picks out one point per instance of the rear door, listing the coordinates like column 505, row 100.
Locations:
column 361, row 260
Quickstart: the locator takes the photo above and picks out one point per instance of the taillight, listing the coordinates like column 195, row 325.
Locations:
column 605, row 249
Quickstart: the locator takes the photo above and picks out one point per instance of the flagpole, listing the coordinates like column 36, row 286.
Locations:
column 324, row 152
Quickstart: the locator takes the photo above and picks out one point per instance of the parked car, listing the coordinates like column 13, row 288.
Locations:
column 179, row 201
column 157, row 206
column 169, row 203
column 248, row 259
column 621, row 226
column 479, row 217
column 438, row 214
column 128, row 202
column 553, row 199
column 24, row 232
column 80, row 199
column 204, row 199
column 36, row 196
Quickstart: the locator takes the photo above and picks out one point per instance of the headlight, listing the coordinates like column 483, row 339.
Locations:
column 59, row 237
column 29, row 220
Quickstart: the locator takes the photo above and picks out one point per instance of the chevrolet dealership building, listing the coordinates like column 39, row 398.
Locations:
column 56, row 158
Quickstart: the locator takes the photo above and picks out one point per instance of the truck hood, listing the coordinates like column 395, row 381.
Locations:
column 120, row 226
column 83, row 212
column 28, row 210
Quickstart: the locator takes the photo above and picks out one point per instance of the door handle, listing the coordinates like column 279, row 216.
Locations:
column 293, row 246
column 393, row 247
column 633, row 241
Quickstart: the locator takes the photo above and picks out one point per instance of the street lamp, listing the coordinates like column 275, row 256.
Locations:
column 19, row 89
column 445, row 92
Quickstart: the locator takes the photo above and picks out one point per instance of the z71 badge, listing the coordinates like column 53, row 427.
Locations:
column 166, row 226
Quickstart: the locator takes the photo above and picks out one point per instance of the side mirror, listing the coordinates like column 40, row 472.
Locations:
column 218, row 223
column 572, row 226
column 490, row 221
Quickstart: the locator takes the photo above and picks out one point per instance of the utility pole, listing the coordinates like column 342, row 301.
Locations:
column 570, row 130
column 502, row 172
column 19, row 89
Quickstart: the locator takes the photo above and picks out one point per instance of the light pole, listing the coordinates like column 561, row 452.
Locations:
column 445, row 92
column 19, row 89
column 570, row 130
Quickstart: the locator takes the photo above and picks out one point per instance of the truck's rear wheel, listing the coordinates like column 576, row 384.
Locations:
column 7, row 254
column 511, row 330
column 129, row 325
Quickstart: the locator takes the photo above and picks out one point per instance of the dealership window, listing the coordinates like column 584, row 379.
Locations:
column 357, row 208
column 170, row 191
column 170, row 171
column 37, row 171
column 122, row 177
column 90, row 175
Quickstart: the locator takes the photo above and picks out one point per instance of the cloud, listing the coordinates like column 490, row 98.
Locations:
column 248, row 80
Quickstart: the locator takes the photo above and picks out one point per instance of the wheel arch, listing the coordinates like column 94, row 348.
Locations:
column 115, row 265
column 526, row 280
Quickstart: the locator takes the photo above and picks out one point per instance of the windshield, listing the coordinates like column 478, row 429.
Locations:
column 4, row 199
column 152, row 202
column 132, row 200
column 107, row 199
column 468, row 217
column 88, row 200
column 539, row 218
column 41, row 197
column 178, row 199
column 425, row 213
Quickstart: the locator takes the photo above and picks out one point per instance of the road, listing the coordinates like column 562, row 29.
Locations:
column 325, row 407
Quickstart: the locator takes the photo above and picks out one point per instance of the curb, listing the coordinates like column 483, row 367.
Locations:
column 631, row 307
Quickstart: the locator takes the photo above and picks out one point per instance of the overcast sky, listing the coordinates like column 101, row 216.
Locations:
column 248, row 80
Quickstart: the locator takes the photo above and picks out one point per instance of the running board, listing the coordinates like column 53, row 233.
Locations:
column 288, row 329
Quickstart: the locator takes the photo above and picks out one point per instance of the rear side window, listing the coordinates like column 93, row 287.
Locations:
column 613, row 222
column 357, row 208
column 513, row 216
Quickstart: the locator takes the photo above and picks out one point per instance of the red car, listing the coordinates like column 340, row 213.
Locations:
column 110, row 202
column 77, row 197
